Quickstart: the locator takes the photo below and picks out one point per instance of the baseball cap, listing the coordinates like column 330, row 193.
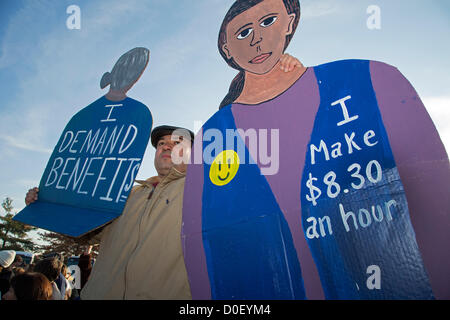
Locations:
column 162, row 131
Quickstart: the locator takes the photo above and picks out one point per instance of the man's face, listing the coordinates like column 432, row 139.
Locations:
column 256, row 37
column 164, row 158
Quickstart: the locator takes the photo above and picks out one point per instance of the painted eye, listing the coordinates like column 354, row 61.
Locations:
column 269, row 21
column 244, row 33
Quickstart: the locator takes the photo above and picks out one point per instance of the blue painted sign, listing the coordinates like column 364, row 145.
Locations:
column 354, row 209
column 249, row 248
column 92, row 168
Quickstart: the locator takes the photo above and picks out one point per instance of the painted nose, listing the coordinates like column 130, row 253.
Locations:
column 256, row 37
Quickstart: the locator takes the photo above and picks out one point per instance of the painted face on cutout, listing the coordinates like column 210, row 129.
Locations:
column 256, row 37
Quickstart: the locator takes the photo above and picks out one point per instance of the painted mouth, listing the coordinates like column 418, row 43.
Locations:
column 223, row 179
column 261, row 58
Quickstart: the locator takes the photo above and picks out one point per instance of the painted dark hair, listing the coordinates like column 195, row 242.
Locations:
column 127, row 69
column 236, row 86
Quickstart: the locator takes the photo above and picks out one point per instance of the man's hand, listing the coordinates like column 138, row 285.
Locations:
column 32, row 196
column 288, row 63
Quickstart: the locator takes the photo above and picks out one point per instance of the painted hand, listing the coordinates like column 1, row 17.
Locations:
column 288, row 63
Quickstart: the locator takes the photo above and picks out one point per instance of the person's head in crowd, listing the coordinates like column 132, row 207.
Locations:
column 18, row 261
column 50, row 267
column 6, row 258
column 29, row 286
column 85, row 261
column 64, row 270
column 19, row 270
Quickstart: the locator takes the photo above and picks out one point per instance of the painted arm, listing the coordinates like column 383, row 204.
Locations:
column 424, row 169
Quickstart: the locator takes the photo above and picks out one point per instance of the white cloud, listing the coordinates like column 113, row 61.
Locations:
column 439, row 110
column 24, row 145
column 314, row 9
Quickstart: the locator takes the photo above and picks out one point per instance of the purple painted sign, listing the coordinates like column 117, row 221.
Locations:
column 417, row 149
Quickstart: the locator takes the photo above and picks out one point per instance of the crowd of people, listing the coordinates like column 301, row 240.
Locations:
column 46, row 279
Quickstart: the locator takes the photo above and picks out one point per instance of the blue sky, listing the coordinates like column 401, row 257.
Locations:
column 48, row 72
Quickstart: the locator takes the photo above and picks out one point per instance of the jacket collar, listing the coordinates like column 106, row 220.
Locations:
column 173, row 175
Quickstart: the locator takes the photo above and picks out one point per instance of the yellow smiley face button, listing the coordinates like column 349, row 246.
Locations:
column 224, row 167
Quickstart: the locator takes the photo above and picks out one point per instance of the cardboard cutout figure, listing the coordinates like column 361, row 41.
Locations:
column 93, row 166
column 331, row 182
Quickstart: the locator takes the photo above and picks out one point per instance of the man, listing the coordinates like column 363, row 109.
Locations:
column 140, row 255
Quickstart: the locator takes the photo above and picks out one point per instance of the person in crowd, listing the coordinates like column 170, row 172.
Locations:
column 18, row 270
column 66, row 288
column 18, row 262
column 85, row 265
column 6, row 260
column 72, row 293
column 30, row 267
column 51, row 268
column 29, row 286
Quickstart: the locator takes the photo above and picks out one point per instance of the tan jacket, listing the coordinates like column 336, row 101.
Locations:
column 140, row 254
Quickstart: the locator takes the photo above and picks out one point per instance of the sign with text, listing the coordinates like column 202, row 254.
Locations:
column 92, row 168
column 354, row 206
column 355, row 214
